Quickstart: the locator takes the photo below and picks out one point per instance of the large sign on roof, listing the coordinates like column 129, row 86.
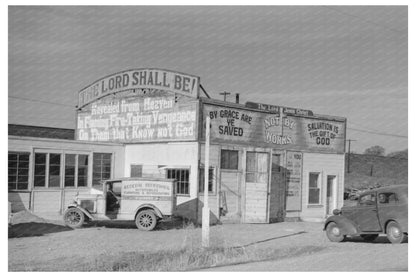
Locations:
column 283, row 131
column 162, row 79
column 157, row 117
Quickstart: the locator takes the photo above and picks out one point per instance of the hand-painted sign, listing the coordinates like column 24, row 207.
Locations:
column 138, row 119
column 180, row 83
column 146, row 190
column 279, row 131
column 279, row 109
column 293, row 181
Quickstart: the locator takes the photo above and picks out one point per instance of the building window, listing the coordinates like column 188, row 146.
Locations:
column 210, row 180
column 82, row 170
column 101, row 169
column 47, row 170
column 18, row 171
column 257, row 165
column 76, row 170
column 182, row 179
column 40, row 170
column 229, row 159
column 136, row 170
column 314, row 188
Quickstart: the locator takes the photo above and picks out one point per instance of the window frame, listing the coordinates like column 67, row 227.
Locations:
column 16, row 183
column 178, row 182
column 257, row 173
column 62, row 165
column 225, row 150
column 211, row 180
column 101, row 168
column 318, row 187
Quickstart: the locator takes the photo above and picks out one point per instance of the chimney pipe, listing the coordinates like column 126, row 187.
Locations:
column 237, row 98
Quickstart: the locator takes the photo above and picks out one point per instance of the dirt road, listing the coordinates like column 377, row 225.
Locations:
column 53, row 247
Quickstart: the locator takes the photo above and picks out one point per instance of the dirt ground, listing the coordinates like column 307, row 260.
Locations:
column 37, row 244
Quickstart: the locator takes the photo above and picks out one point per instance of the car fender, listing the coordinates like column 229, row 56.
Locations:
column 150, row 206
column 346, row 226
column 86, row 212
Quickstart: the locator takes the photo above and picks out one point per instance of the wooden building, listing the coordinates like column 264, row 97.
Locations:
column 268, row 163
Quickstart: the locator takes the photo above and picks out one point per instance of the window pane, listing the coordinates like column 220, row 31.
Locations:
column 136, row 170
column 229, row 159
column 314, row 196
column 276, row 163
column 82, row 170
column 251, row 161
column 101, row 167
column 40, row 158
column 39, row 181
column 313, row 180
column 40, row 170
column 251, row 177
column 69, row 181
column 182, row 178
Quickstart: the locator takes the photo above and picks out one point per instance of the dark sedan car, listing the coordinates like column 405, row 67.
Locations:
column 378, row 211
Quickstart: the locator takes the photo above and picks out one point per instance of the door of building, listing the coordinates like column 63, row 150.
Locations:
column 330, row 195
column 230, row 196
column 256, row 194
column 277, row 189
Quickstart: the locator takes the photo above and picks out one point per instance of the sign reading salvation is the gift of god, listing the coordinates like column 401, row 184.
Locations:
column 162, row 79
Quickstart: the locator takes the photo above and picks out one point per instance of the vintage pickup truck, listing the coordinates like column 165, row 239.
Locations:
column 144, row 200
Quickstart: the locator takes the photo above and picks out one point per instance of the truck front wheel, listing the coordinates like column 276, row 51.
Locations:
column 146, row 220
column 74, row 218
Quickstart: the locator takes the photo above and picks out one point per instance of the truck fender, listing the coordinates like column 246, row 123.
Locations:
column 346, row 226
column 149, row 206
column 87, row 213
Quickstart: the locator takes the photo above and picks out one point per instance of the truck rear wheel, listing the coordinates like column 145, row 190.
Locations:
column 146, row 220
column 74, row 218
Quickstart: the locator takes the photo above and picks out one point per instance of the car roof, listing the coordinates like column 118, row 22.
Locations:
column 399, row 189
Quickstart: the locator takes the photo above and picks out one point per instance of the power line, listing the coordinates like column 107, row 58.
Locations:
column 378, row 133
column 40, row 101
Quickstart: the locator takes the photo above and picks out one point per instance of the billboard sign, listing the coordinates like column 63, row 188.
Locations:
column 162, row 79
column 278, row 131
column 279, row 109
column 138, row 119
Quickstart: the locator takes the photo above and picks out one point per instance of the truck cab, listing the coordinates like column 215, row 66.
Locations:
column 144, row 200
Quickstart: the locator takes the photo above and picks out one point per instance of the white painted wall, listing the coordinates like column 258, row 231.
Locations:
column 326, row 164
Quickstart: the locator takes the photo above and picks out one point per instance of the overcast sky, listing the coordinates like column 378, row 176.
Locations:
column 344, row 61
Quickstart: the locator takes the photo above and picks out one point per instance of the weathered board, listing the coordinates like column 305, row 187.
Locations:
column 261, row 129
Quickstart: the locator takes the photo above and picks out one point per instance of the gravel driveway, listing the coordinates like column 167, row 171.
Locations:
column 51, row 245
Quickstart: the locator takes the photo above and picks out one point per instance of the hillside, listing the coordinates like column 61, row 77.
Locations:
column 369, row 170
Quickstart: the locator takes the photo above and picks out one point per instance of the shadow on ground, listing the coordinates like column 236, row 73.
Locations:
column 379, row 240
column 35, row 229
column 171, row 224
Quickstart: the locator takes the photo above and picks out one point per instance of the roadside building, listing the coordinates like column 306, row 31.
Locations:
column 268, row 163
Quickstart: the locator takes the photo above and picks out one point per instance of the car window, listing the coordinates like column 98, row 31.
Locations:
column 367, row 200
column 117, row 188
column 387, row 198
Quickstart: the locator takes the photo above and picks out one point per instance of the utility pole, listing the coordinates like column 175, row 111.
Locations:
column 349, row 148
column 225, row 95
column 205, row 209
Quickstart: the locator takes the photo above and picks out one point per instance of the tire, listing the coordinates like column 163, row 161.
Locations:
column 334, row 233
column 369, row 237
column 146, row 220
column 74, row 218
column 395, row 233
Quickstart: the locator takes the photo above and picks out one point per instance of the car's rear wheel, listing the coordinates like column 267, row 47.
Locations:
column 395, row 233
column 74, row 218
column 369, row 237
column 146, row 220
column 333, row 232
